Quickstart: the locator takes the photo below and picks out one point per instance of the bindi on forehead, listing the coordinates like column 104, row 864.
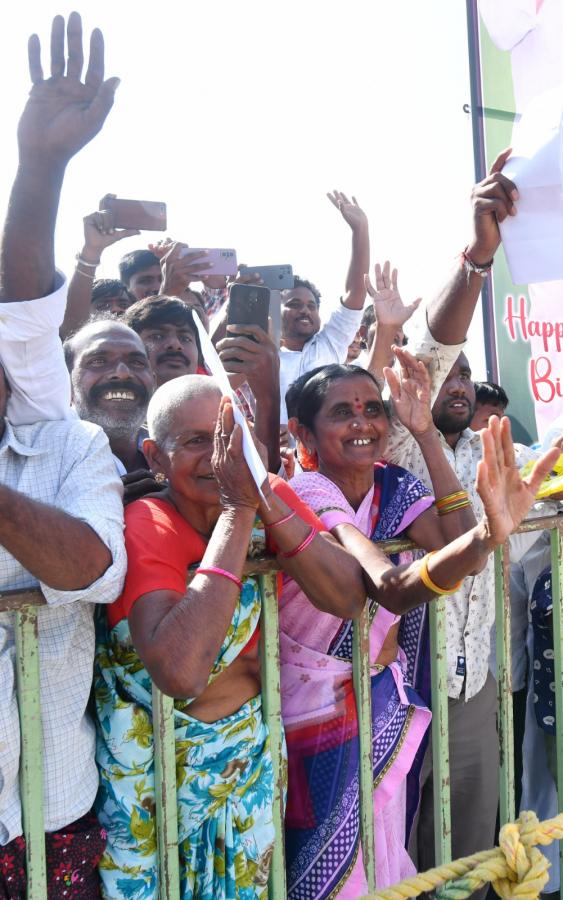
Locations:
column 358, row 405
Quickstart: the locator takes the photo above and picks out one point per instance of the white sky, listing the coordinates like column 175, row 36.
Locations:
column 241, row 114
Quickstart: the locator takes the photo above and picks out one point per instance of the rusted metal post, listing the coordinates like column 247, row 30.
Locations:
column 440, row 733
column 31, row 755
column 504, row 684
column 362, row 689
column 165, row 796
column 271, row 705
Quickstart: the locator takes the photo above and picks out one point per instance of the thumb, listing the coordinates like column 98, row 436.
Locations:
column 369, row 286
column 542, row 468
column 393, row 382
column 124, row 233
column 102, row 103
column 414, row 305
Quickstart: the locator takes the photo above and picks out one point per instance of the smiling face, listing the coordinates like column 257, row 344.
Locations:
column 172, row 350
column 350, row 430
column 454, row 406
column 300, row 315
column 112, row 381
column 184, row 456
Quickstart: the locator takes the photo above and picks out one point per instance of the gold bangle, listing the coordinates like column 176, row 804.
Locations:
column 451, row 498
column 428, row 583
column 445, row 510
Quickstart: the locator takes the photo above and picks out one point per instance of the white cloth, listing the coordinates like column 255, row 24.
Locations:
column 32, row 356
column 470, row 612
column 329, row 345
column 67, row 465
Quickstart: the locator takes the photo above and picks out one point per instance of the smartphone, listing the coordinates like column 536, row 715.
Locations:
column 145, row 215
column 220, row 262
column 277, row 278
column 249, row 304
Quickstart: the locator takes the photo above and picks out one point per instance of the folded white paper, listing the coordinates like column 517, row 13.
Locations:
column 215, row 366
column 533, row 238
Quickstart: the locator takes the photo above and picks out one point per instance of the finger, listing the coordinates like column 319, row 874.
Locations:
column 58, row 47
column 354, row 201
column 95, row 70
column 394, row 274
column 100, row 106
column 500, row 208
column 254, row 330
column 507, row 443
column 490, row 455
column 500, row 161
column 385, row 273
column 235, row 443
column 482, row 481
column 541, row 469
column 394, row 383
column 369, row 286
column 333, row 199
column 125, row 233
column 344, row 198
column 74, row 42
column 217, row 440
column 414, row 306
column 379, row 280
column 34, row 59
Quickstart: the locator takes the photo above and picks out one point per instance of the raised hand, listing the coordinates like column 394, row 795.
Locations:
column 410, row 392
column 63, row 114
column 506, row 496
column 180, row 267
column 389, row 308
column 236, row 485
column 493, row 200
column 99, row 233
column 350, row 210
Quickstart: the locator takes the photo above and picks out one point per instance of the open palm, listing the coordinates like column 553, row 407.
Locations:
column 387, row 303
column 63, row 113
column 506, row 496
column 410, row 392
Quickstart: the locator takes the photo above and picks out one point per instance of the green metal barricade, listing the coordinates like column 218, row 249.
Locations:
column 26, row 605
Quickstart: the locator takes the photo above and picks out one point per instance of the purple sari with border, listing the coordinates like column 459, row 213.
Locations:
column 323, row 848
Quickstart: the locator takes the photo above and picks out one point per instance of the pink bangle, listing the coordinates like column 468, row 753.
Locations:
column 284, row 520
column 215, row 570
column 303, row 545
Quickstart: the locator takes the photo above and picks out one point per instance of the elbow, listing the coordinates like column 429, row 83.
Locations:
column 170, row 680
column 356, row 604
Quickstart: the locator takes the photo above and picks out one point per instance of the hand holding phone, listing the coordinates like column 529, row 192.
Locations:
column 142, row 215
column 218, row 261
column 277, row 278
column 249, row 304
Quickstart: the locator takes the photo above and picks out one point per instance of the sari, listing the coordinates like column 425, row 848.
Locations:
column 323, row 846
column 225, row 781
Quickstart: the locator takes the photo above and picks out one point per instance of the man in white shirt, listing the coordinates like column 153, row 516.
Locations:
column 306, row 344
column 61, row 516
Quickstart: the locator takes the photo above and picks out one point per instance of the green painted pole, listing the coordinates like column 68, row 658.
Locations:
column 31, row 755
column 362, row 688
column 440, row 733
column 557, row 597
column 504, row 685
column 165, row 796
column 271, row 704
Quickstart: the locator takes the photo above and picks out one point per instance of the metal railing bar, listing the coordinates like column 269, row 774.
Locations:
column 557, row 598
column 504, row 684
column 165, row 795
column 440, row 733
column 362, row 689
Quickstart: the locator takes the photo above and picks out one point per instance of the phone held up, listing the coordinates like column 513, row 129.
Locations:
column 277, row 278
column 249, row 304
column 144, row 215
column 219, row 261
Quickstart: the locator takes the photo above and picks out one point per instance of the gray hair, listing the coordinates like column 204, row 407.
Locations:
column 169, row 397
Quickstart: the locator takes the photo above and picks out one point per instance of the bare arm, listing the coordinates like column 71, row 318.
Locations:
column 410, row 392
column 60, row 117
column 57, row 549
column 359, row 262
column 449, row 314
column 99, row 233
column 506, row 501
column 329, row 576
column 163, row 624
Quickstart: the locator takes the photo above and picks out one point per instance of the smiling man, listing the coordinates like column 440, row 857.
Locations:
column 112, row 383
column 167, row 329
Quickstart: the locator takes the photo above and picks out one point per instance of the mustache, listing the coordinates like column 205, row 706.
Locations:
column 139, row 390
column 173, row 354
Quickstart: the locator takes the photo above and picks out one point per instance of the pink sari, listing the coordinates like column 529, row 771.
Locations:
column 324, row 856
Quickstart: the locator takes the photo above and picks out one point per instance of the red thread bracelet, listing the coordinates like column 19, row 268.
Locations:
column 284, row 520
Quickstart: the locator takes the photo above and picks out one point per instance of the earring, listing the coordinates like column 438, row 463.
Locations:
column 308, row 459
column 160, row 478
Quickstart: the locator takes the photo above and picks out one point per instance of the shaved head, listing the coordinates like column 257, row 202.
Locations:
column 176, row 395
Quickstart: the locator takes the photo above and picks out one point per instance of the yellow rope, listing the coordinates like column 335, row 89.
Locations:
column 516, row 868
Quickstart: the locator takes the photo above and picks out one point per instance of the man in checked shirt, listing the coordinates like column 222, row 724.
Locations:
column 61, row 520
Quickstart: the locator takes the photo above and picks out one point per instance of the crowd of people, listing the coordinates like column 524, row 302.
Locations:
column 122, row 468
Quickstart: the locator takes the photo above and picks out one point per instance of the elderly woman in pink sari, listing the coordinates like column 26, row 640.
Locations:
column 342, row 425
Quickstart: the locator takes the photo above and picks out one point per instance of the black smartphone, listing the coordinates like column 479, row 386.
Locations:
column 249, row 304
